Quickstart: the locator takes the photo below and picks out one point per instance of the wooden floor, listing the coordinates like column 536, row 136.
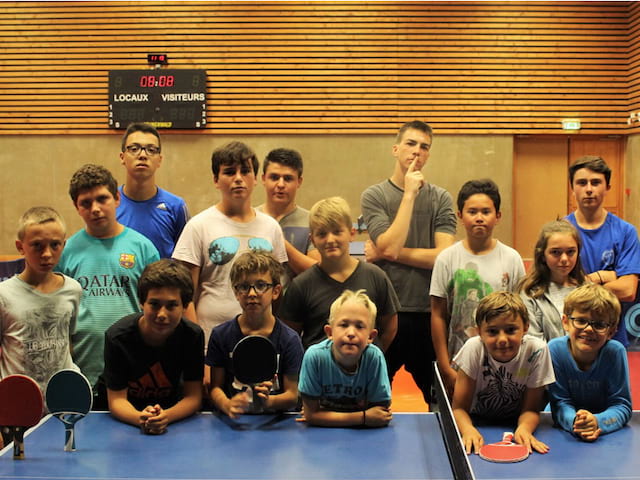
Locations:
column 407, row 397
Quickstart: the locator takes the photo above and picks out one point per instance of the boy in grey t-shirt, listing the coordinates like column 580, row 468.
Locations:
column 38, row 307
column 409, row 222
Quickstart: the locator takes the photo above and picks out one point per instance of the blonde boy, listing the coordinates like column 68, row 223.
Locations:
column 38, row 307
column 502, row 372
column 591, row 395
column 255, row 278
column 305, row 306
column 344, row 380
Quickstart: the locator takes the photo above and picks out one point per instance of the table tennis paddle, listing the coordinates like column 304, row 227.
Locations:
column 254, row 361
column 505, row 451
column 69, row 399
column 20, row 408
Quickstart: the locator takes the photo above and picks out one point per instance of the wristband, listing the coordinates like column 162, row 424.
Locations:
column 364, row 417
column 600, row 277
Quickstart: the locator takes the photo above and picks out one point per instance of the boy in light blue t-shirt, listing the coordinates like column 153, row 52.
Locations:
column 344, row 379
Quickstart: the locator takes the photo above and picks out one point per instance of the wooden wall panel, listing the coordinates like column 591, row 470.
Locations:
column 634, row 65
column 331, row 67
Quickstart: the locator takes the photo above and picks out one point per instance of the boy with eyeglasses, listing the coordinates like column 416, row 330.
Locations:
column 591, row 395
column 156, row 213
column 255, row 277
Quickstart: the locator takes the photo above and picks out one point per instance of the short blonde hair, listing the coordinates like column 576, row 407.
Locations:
column 497, row 304
column 596, row 299
column 357, row 297
column 38, row 216
column 329, row 213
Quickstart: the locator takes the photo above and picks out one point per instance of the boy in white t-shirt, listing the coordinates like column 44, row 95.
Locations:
column 502, row 373
column 467, row 271
column 213, row 239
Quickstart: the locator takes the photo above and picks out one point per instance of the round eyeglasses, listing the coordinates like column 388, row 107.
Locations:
column 597, row 325
column 260, row 287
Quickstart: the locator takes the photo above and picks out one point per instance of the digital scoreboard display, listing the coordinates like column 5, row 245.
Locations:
column 164, row 98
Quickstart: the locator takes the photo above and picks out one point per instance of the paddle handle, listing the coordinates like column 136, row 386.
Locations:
column 256, row 403
column 69, row 438
column 18, row 443
column 69, row 420
column 507, row 437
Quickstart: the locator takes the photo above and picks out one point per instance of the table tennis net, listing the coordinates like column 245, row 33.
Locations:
column 453, row 442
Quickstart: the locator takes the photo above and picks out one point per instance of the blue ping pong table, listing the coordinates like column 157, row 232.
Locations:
column 207, row 446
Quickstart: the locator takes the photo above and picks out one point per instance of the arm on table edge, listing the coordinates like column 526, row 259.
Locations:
column 189, row 404
column 121, row 408
column 562, row 405
column 219, row 397
column 375, row 416
column 288, row 398
column 619, row 405
column 529, row 419
column 461, row 405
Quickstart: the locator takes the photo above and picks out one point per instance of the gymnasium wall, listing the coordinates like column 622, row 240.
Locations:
column 341, row 165
column 331, row 79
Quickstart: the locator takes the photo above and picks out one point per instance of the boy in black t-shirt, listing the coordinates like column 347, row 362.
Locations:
column 154, row 360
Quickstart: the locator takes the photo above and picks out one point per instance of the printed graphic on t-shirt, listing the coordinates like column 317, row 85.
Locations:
column 502, row 396
column 46, row 341
column 469, row 289
column 127, row 260
column 343, row 398
column 105, row 285
column 223, row 250
column 153, row 384
column 608, row 260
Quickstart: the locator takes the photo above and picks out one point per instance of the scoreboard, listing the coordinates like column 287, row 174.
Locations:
column 163, row 98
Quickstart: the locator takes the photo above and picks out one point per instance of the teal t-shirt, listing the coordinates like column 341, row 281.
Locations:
column 323, row 379
column 108, row 271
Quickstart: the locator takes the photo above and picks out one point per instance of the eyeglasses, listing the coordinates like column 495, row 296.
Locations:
column 260, row 287
column 136, row 149
column 598, row 326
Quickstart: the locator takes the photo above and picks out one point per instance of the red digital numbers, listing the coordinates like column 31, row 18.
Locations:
column 148, row 81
